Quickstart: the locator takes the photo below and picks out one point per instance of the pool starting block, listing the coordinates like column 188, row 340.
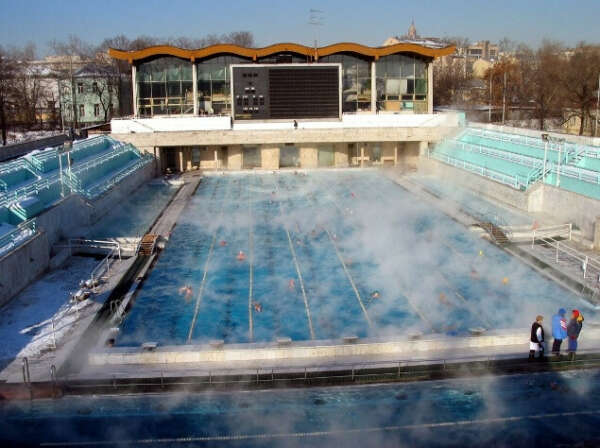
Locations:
column 149, row 346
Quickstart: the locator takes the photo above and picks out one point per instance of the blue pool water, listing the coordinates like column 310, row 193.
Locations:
column 349, row 234
column 135, row 213
column 546, row 409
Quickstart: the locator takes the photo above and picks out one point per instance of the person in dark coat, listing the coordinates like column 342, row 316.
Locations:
column 559, row 330
column 536, row 342
column 573, row 331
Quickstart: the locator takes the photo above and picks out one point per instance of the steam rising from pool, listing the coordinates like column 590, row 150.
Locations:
column 374, row 260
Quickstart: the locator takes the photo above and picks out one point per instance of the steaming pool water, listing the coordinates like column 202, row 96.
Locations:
column 328, row 254
column 547, row 409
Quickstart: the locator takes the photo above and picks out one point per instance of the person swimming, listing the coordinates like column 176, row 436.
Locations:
column 223, row 243
column 241, row 256
column 292, row 284
column 375, row 295
column 257, row 307
column 443, row 299
column 187, row 292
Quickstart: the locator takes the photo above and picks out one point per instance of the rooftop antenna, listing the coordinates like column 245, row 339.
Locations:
column 315, row 19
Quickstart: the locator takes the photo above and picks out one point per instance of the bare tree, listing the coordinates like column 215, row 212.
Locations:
column 580, row 81
column 106, row 85
column 8, row 68
column 70, row 52
column 540, row 71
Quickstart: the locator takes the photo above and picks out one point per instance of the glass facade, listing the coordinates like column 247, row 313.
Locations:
column 401, row 82
column 165, row 84
column 214, row 84
column 165, row 87
column 356, row 81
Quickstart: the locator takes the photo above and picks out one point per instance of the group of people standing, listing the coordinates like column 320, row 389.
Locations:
column 561, row 330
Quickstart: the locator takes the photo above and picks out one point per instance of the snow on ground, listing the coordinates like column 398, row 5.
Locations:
column 26, row 321
column 19, row 137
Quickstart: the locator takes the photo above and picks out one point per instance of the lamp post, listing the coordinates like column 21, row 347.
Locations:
column 597, row 109
column 545, row 137
column 560, row 141
column 490, row 105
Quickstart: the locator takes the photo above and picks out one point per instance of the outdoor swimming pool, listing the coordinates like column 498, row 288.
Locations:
column 518, row 410
column 328, row 254
column 135, row 212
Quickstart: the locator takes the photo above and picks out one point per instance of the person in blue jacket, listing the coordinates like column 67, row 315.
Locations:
column 559, row 330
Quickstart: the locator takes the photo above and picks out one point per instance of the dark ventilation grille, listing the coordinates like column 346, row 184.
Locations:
column 304, row 92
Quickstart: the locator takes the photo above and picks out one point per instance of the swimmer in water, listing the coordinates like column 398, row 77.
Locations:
column 474, row 273
column 375, row 295
column 292, row 284
column 223, row 243
column 187, row 292
column 443, row 299
column 352, row 194
column 241, row 256
column 257, row 307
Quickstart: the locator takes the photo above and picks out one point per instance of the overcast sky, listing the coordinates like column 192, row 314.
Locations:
column 364, row 21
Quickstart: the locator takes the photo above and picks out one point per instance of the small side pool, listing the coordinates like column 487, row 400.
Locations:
column 547, row 409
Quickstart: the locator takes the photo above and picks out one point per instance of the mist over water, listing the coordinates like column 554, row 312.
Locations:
column 517, row 410
column 374, row 260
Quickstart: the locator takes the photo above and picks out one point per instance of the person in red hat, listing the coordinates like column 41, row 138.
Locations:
column 573, row 331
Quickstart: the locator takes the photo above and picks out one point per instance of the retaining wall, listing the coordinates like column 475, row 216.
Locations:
column 563, row 205
column 68, row 218
column 23, row 265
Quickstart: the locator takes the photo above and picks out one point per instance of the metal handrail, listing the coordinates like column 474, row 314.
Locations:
column 500, row 154
column 579, row 173
column 512, row 181
column 587, row 263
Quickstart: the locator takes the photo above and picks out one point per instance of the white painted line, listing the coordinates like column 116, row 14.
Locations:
column 350, row 279
column 251, row 269
column 370, row 429
column 206, row 265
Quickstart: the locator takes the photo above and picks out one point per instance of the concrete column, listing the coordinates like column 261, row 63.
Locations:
column 362, row 155
column 396, row 154
column 195, row 86
column 430, row 88
column 188, row 159
column 597, row 233
column 157, row 163
column 134, row 89
column 181, row 167
column 216, row 159
column 373, row 87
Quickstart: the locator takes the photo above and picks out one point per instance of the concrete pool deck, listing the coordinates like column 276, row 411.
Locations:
column 504, row 343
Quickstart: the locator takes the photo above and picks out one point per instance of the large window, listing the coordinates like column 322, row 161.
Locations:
column 356, row 81
column 214, row 84
column 165, row 87
column 401, row 83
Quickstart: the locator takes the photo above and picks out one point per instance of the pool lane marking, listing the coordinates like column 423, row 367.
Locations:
column 333, row 432
column 298, row 273
column 251, row 268
column 406, row 296
column 301, row 280
column 206, row 265
column 349, row 276
column 481, row 317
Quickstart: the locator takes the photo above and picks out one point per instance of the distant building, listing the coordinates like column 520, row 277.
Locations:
column 413, row 37
column 93, row 97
